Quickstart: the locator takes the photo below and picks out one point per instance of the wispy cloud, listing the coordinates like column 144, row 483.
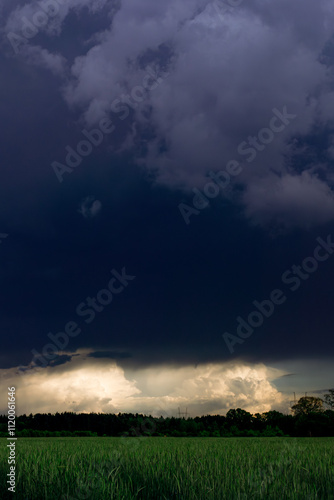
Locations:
column 90, row 207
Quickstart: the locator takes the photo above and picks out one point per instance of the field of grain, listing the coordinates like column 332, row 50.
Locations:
column 171, row 468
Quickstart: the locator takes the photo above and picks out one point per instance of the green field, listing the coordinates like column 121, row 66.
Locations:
column 171, row 468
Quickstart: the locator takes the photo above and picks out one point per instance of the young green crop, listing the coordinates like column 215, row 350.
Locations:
column 171, row 468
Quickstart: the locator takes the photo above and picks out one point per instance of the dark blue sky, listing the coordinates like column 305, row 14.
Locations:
column 178, row 92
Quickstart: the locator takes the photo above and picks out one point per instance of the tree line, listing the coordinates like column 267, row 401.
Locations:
column 310, row 417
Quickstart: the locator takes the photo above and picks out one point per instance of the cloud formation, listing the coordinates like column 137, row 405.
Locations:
column 226, row 74
column 85, row 384
column 294, row 200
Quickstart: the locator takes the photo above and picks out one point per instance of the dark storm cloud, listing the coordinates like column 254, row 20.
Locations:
column 225, row 76
column 60, row 360
column 205, row 110
column 109, row 354
column 204, row 113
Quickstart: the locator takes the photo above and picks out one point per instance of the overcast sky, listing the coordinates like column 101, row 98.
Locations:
column 167, row 205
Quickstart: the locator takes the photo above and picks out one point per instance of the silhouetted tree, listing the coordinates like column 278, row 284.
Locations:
column 309, row 419
column 307, row 405
column 329, row 399
column 242, row 419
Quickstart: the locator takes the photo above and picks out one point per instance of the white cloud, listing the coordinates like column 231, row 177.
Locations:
column 102, row 386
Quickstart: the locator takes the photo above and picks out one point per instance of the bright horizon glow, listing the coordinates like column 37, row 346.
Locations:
column 91, row 385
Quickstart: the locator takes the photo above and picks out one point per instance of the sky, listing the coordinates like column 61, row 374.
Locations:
column 167, row 204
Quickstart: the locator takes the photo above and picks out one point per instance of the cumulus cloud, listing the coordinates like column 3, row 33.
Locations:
column 89, row 207
column 100, row 385
column 25, row 22
column 226, row 74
